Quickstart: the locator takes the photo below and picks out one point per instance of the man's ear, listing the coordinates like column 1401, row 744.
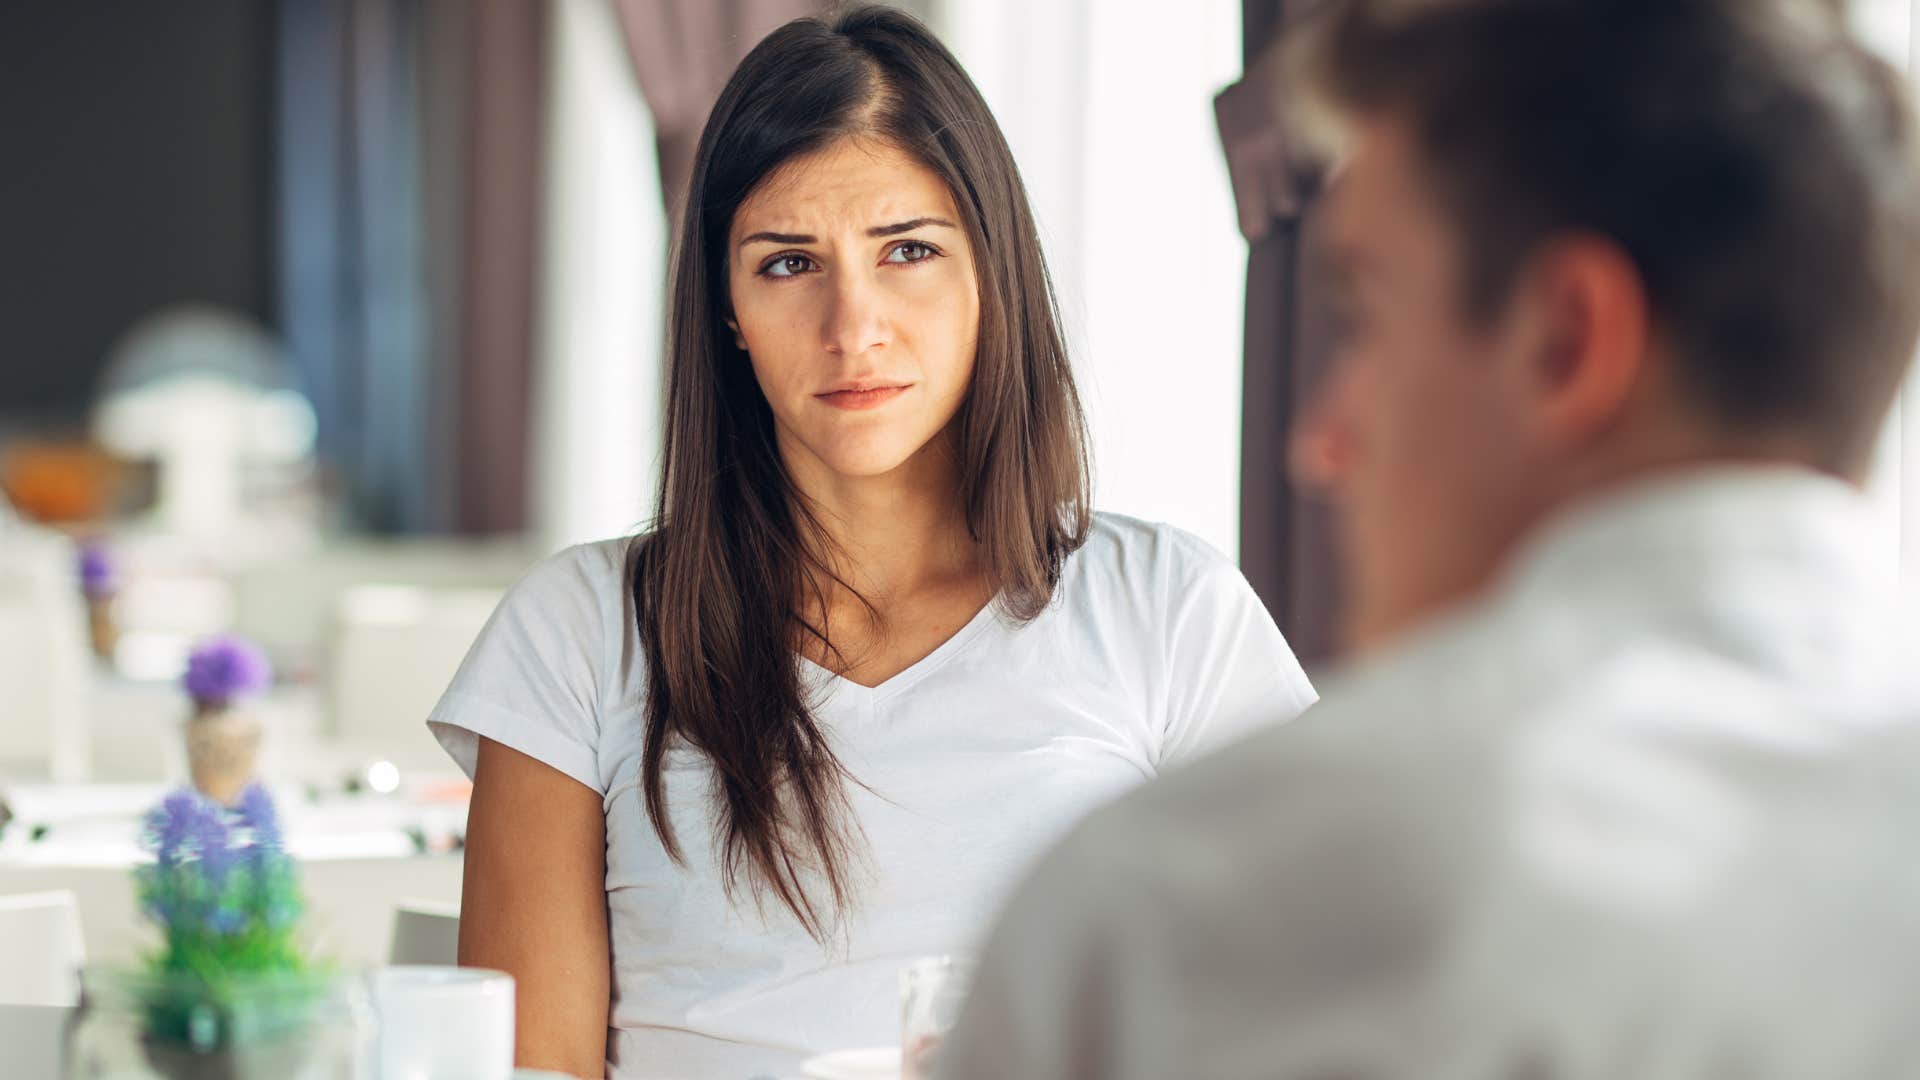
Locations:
column 1591, row 333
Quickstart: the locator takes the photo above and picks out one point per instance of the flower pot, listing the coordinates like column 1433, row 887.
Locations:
column 223, row 750
column 284, row 1057
column 102, row 631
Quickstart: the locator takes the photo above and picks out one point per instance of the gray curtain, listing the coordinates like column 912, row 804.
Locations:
column 1286, row 545
column 353, row 299
column 409, row 136
column 506, row 82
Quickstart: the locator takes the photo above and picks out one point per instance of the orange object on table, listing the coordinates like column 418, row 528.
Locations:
column 59, row 482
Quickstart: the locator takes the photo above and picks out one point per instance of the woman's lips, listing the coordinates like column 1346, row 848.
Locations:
column 856, row 400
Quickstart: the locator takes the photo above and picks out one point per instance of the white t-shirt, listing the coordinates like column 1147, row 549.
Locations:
column 1154, row 650
column 1646, row 810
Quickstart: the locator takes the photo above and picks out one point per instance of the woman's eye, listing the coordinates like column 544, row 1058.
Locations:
column 787, row 266
column 912, row 251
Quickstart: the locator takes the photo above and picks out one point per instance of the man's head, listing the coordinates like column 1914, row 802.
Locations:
column 1579, row 240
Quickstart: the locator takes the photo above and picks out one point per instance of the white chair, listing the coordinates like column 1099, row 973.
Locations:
column 425, row 932
column 288, row 603
column 395, row 649
column 45, row 660
column 41, row 942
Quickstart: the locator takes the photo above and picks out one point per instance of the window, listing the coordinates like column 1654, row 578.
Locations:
column 1109, row 110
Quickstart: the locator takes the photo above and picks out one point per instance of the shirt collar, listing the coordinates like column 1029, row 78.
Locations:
column 1707, row 518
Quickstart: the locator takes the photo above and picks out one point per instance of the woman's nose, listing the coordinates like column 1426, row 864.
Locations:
column 856, row 320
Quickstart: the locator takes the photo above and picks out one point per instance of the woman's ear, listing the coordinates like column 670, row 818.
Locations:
column 739, row 339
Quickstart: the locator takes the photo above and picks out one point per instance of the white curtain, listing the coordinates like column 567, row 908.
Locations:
column 597, row 385
column 1891, row 26
column 1108, row 105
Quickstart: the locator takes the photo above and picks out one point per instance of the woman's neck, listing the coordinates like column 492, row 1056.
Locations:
column 893, row 535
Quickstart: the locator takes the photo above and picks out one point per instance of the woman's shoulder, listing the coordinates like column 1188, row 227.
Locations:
column 574, row 583
column 1131, row 550
column 538, row 677
column 1139, row 571
column 567, row 605
column 591, row 566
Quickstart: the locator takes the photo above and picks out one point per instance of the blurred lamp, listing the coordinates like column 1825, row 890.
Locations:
column 203, row 393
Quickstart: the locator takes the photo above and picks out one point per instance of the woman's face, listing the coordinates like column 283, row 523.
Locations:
column 854, row 294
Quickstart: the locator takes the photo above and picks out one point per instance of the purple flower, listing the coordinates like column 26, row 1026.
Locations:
column 170, row 826
column 186, row 827
column 221, row 882
column 259, row 818
column 214, row 842
column 225, row 668
column 99, row 571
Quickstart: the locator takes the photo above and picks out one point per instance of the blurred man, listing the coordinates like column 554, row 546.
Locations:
column 1624, row 782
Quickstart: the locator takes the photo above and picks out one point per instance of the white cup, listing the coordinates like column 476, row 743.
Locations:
column 932, row 990
column 443, row 1023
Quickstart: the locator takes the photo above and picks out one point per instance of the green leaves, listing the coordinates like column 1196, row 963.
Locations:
column 225, row 895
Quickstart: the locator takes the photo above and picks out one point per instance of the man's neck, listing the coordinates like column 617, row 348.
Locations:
column 1647, row 448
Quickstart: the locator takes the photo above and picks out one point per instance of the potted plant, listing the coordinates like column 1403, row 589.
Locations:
column 223, row 734
column 99, row 583
column 229, row 994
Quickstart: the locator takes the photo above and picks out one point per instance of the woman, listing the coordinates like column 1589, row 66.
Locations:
column 730, row 776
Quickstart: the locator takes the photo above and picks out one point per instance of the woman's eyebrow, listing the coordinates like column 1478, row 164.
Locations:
column 878, row 230
column 908, row 226
column 778, row 238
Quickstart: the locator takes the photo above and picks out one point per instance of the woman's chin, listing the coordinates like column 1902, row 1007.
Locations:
column 860, row 454
column 863, row 459
column 865, row 466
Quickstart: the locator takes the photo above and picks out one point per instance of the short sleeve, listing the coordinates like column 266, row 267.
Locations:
column 1229, row 670
column 532, row 680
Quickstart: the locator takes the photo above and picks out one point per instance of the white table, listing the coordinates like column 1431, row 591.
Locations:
column 32, row 1041
column 356, row 859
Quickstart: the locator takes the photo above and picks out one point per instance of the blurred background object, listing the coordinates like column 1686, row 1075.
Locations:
column 41, row 938
column 45, row 656
column 59, row 480
column 207, row 397
column 425, row 932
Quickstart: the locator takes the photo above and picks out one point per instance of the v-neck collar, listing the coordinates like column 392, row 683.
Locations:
column 913, row 673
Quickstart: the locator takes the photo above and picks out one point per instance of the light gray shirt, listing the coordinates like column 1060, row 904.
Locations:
column 1649, row 809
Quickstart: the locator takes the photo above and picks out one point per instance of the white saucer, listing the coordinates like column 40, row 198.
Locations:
column 873, row 1063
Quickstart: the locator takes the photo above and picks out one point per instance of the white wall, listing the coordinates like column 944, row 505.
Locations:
column 1891, row 27
column 596, row 431
column 1907, row 420
column 1108, row 105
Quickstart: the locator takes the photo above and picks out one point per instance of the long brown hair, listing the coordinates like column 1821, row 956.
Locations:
column 719, row 584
